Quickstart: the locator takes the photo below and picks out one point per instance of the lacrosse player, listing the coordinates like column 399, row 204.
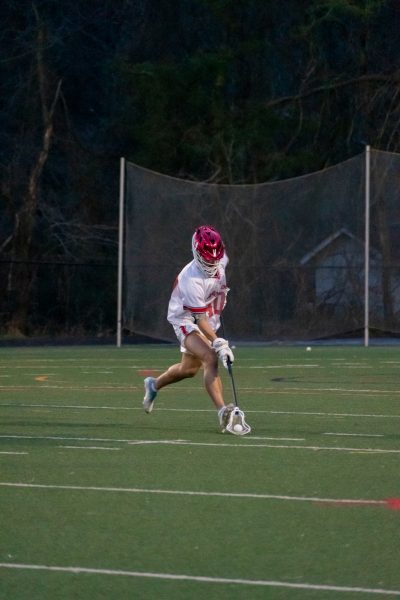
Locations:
column 197, row 300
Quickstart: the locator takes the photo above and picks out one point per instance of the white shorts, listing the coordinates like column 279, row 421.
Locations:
column 182, row 331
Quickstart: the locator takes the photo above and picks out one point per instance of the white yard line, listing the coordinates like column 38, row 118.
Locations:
column 107, row 387
column 73, row 406
column 326, row 414
column 88, row 447
column 341, row 390
column 197, row 410
column 62, row 438
column 355, row 501
column 281, row 366
column 104, row 387
column 79, row 367
column 76, row 570
column 244, row 443
column 356, row 434
column 278, row 439
column 6, row 452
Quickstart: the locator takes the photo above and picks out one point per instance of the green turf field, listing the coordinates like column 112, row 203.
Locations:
column 99, row 500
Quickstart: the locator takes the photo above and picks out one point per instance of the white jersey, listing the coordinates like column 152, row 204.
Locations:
column 196, row 293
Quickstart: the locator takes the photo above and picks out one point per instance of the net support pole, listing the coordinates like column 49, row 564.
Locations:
column 367, row 243
column 120, row 249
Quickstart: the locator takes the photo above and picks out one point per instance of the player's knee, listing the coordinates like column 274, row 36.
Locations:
column 192, row 372
column 210, row 359
column 189, row 371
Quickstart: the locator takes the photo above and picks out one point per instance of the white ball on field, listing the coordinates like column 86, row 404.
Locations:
column 308, row 348
column 237, row 427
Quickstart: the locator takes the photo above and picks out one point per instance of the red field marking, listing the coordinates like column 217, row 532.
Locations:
column 147, row 372
column 393, row 503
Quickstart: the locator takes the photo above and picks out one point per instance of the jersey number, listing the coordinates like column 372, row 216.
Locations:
column 217, row 305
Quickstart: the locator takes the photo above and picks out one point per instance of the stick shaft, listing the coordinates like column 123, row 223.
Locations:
column 232, row 382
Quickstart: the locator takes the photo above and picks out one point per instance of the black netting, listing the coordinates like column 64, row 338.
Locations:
column 296, row 249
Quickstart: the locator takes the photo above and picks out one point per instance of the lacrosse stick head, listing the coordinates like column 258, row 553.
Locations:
column 236, row 423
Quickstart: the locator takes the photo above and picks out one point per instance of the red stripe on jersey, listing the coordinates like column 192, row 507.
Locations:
column 192, row 309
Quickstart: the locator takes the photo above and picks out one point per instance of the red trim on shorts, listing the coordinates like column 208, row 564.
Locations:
column 184, row 330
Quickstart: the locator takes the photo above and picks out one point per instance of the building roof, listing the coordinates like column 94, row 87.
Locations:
column 343, row 232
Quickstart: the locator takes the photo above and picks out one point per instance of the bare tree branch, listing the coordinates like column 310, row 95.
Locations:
column 393, row 78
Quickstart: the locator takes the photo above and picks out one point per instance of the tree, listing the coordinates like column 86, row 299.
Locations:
column 228, row 91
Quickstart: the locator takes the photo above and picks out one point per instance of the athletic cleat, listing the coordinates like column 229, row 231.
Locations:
column 224, row 417
column 150, row 394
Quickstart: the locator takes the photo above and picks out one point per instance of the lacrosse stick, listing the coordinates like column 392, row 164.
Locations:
column 236, row 423
column 229, row 366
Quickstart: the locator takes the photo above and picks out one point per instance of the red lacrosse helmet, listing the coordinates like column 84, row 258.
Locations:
column 208, row 249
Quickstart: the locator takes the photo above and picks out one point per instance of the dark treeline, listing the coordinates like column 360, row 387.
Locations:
column 227, row 91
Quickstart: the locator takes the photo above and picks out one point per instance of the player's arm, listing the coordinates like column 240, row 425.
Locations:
column 203, row 323
column 220, row 345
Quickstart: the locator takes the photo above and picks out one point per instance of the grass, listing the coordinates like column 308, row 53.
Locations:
column 100, row 500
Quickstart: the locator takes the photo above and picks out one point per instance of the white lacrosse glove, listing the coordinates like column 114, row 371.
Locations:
column 225, row 354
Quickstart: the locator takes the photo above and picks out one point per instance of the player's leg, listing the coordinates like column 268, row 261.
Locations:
column 188, row 367
column 198, row 346
column 198, row 353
